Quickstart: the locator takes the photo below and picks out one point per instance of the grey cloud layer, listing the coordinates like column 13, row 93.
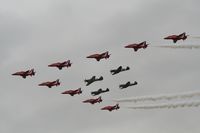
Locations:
column 36, row 33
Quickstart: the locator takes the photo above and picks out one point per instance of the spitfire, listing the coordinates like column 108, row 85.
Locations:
column 99, row 91
column 92, row 80
column 128, row 84
column 119, row 69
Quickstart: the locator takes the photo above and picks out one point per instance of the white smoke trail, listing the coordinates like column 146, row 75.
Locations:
column 167, row 106
column 161, row 97
column 196, row 37
column 181, row 46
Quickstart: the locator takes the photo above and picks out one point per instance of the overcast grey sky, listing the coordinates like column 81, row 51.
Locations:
column 35, row 33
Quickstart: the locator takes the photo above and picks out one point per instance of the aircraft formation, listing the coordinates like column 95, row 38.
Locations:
column 97, row 57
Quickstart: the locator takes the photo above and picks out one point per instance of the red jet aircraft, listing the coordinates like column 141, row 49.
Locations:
column 137, row 46
column 73, row 92
column 111, row 108
column 98, row 57
column 50, row 83
column 60, row 65
column 25, row 73
column 175, row 38
column 93, row 101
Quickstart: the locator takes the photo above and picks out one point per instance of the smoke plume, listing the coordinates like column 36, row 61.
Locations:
column 161, row 97
column 167, row 106
column 181, row 46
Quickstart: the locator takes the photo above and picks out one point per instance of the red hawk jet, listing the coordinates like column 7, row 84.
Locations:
column 24, row 74
column 60, row 65
column 175, row 38
column 111, row 108
column 93, row 101
column 98, row 57
column 50, row 83
column 137, row 46
column 73, row 92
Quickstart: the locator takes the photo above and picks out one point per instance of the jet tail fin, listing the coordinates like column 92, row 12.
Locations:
column 58, row 82
column 144, row 43
column 33, row 72
column 183, row 36
column 107, row 55
column 101, row 78
column 127, row 68
column 117, row 106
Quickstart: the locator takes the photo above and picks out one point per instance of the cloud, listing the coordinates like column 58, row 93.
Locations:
column 37, row 33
